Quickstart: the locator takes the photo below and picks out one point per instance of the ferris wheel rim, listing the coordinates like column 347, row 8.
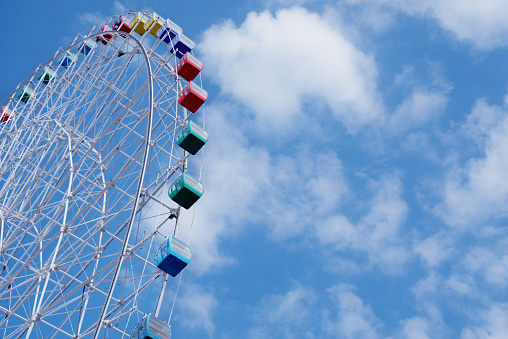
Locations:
column 141, row 177
column 147, row 142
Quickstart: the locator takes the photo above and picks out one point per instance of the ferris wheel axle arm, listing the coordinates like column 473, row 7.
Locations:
column 142, row 174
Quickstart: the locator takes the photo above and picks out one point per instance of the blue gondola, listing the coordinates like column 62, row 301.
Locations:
column 151, row 328
column 168, row 31
column 172, row 256
column 181, row 45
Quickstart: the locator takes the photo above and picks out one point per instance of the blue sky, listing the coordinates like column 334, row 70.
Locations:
column 356, row 170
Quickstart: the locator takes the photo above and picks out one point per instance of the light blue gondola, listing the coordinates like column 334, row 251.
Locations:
column 65, row 60
column 151, row 328
column 172, row 256
column 86, row 46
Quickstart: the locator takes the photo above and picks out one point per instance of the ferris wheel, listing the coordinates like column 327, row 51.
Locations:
column 94, row 148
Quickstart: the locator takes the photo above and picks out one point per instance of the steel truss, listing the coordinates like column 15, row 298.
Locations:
column 83, row 166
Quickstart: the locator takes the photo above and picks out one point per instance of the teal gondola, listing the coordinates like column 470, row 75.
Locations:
column 25, row 94
column 186, row 190
column 191, row 138
column 46, row 75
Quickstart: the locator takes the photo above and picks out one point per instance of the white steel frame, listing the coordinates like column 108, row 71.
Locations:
column 83, row 166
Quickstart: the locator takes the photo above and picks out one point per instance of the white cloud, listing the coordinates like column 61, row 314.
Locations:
column 428, row 321
column 196, row 307
column 302, row 312
column 406, row 77
column 354, row 318
column 489, row 264
column 277, row 64
column 483, row 23
column 285, row 316
column 376, row 16
column 119, row 7
column 422, row 143
column 461, row 284
column 286, row 3
column 482, row 120
column 478, row 191
column 494, row 324
column 416, row 328
column 435, row 249
column 427, row 286
column 301, row 195
column 377, row 232
column 91, row 18
column 290, row 308
column 419, row 108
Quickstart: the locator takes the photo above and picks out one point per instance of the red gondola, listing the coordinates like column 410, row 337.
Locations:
column 106, row 37
column 189, row 67
column 192, row 97
column 122, row 25
column 5, row 114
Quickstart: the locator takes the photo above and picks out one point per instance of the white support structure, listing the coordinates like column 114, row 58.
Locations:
column 84, row 169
